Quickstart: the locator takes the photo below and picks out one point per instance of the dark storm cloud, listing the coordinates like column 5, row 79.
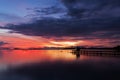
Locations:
column 59, row 28
column 92, row 8
column 90, row 19
column 48, row 10
column 55, row 11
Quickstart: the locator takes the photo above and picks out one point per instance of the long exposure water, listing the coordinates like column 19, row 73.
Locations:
column 56, row 65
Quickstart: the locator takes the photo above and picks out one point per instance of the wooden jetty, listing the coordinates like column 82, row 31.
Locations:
column 100, row 52
column 97, row 51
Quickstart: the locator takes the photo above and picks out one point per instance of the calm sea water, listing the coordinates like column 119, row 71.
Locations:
column 56, row 65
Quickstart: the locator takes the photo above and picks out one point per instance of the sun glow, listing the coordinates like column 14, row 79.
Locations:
column 66, row 43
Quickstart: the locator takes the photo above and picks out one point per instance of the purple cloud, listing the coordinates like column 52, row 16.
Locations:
column 89, row 20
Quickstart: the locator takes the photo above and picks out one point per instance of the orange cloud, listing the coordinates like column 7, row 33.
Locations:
column 24, row 41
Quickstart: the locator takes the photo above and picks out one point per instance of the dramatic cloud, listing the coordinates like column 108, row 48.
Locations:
column 55, row 11
column 92, row 8
column 85, row 20
column 102, row 28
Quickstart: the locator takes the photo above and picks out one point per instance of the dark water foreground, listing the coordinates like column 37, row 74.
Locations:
column 64, row 71
column 60, row 67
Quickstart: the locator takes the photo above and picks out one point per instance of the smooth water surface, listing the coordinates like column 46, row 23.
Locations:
column 56, row 65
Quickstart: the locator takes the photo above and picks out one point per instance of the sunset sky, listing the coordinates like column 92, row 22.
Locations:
column 59, row 23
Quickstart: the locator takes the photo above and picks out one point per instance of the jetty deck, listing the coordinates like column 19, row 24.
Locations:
column 97, row 51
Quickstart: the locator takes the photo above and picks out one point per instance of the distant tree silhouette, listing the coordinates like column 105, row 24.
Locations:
column 117, row 48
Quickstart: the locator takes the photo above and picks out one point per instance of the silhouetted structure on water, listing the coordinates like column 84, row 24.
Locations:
column 76, row 52
column 97, row 51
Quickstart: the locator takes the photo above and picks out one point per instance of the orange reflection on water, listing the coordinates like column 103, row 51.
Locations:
column 14, row 57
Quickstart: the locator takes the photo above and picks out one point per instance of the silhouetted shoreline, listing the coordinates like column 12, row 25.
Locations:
column 63, row 48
